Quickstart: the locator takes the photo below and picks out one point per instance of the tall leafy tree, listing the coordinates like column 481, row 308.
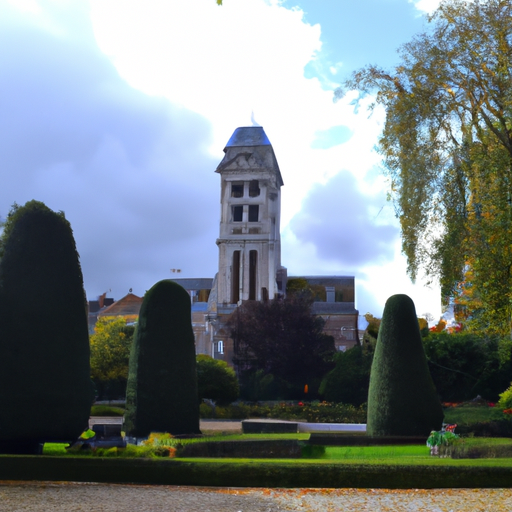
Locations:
column 447, row 137
column 282, row 338
column 45, row 387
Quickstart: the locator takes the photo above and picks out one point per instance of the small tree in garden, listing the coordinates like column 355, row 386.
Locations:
column 282, row 338
column 348, row 381
column 402, row 400
column 216, row 380
column 45, row 387
column 110, row 354
column 161, row 393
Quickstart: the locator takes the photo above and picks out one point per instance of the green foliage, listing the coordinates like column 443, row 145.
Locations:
column 282, row 338
column 314, row 412
column 476, row 419
column 441, row 438
column 465, row 365
column 505, row 401
column 447, row 144
column 162, row 382
column 478, row 448
column 401, row 399
column 373, row 325
column 110, row 353
column 45, row 387
column 258, row 385
column 349, row 380
column 466, row 414
column 106, row 410
column 216, row 380
column 391, row 472
column 297, row 285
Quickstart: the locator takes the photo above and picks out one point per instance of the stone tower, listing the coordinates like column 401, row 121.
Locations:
column 249, row 240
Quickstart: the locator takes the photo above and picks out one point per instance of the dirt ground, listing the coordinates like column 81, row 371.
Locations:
column 73, row 497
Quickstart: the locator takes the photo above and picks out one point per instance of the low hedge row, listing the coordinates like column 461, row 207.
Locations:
column 313, row 412
column 251, row 473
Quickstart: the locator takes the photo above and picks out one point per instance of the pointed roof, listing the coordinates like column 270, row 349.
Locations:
column 247, row 136
column 127, row 306
column 251, row 144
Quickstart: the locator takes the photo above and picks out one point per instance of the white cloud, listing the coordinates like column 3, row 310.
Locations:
column 253, row 61
column 428, row 6
column 131, row 158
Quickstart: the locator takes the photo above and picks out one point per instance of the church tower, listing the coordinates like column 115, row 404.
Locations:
column 249, row 239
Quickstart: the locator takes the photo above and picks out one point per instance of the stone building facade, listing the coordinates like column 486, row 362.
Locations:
column 250, row 251
column 250, row 255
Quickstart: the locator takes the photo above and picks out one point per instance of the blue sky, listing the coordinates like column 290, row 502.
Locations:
column 117, row 112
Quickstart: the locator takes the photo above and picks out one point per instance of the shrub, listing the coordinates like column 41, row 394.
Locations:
column 216, row 380
column 402, row 400
column 471, row 448
column 161, row 391
column 348, row 381
column 258, row 385
column 315, row 412
column 45, row 387
column 465, row 365
column 505, row 401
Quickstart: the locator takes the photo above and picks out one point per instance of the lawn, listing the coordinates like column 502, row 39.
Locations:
column 406, row 466
column 467, row 414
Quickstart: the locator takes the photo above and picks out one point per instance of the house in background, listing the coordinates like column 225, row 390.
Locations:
column 199, row 290
column 334, row 301
column 94, row 307
column 128, row 307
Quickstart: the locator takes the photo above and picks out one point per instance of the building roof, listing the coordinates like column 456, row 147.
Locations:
column 194, row 283
column 250, row 142
column 127, row 306
column 334, row 308
column 247, row 136
column 327, row 280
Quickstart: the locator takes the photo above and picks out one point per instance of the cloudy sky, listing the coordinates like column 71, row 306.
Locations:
column 117, row 111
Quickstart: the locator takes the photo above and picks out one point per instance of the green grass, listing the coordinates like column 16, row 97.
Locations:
column 385, row 461
column 239, row 437
column 347, row 467
column 469, row 414
column 406, row 454
column 55, row 448
column 369, row 453
column 106, row 410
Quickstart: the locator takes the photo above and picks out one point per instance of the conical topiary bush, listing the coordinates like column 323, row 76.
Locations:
column 161, row 394
column 402, row 400
column 45, row 387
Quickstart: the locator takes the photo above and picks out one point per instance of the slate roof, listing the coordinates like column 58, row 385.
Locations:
column 333, row 308
column 247, row 136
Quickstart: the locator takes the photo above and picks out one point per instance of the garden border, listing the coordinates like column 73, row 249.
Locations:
column 251, row 473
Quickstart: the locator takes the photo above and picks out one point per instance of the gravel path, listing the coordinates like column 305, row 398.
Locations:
column 71, row 497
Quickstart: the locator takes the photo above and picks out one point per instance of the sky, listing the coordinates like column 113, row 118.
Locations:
column 117, row 113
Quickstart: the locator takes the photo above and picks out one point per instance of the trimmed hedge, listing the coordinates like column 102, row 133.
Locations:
column 226, row 473
column 161, row 393
column 402, row 400
column 45, row 387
